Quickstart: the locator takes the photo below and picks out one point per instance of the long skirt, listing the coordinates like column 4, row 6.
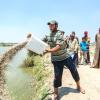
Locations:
column 96, row 61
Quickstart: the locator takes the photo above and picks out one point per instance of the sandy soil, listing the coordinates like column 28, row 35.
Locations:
column 90, row 81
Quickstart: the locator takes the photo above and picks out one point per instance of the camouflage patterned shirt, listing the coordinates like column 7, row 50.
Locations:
column 56, row 38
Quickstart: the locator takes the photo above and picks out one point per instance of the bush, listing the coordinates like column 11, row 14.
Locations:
column 31, row 53
column 40, row 75
column 29, row 62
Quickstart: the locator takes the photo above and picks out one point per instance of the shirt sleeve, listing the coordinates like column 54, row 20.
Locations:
column 45, row 39
column 76, row 45
column 80, row 46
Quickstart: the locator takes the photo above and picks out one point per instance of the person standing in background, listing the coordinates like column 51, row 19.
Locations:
column 96, row 61
column 74, row 34
column 67, row 38
column 87, row 38
column 73, row 48
column 83, row 51
column 63, row 33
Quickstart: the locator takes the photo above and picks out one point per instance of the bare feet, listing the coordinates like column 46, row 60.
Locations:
column 81, row 90
column 56, row 97
column 92, row 66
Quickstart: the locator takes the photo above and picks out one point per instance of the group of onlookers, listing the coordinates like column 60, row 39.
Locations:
column 80, row 50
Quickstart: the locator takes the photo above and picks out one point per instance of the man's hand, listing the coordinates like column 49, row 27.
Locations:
column 55, row 49
column 46, row 51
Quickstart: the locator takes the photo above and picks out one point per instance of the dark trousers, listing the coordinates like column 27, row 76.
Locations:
column 75, row 59
column 88, row 56
column 58, row 71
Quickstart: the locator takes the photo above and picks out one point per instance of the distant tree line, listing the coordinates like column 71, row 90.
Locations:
column 7, row 44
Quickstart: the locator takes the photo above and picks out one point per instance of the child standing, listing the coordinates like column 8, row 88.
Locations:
column 83, row 51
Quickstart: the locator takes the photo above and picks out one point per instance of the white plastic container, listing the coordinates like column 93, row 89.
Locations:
column 36, row 45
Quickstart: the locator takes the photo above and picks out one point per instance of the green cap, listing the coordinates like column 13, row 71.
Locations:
column 52, row 22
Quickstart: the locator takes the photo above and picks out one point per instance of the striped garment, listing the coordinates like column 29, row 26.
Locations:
column 56, row 38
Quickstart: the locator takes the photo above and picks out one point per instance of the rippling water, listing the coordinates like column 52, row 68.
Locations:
column 18, row 78
column 3, row 49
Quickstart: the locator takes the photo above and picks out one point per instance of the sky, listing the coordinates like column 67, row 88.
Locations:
column 19, row 17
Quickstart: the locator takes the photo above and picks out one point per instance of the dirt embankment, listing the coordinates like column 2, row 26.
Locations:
column 4, row 59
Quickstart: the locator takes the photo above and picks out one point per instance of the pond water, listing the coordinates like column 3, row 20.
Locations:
column 18, row 78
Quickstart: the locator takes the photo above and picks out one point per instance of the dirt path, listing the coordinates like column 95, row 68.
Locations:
column 90, row 79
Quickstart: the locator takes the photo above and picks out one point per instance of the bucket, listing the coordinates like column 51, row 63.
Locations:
column 36, row 45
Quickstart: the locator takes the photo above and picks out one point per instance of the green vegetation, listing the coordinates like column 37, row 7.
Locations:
column 40, row 75
column 29, row 61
